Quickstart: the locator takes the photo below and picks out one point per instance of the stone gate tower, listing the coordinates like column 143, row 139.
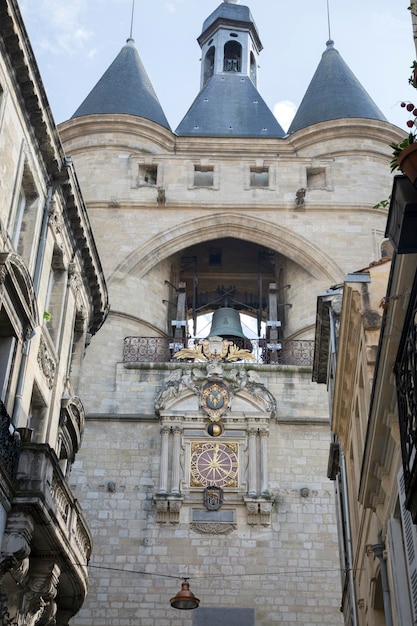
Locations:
column 205, row 454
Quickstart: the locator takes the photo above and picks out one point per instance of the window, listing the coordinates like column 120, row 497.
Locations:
column 253, row 69
column 209, row 64
column 316, row 178
column 77, row 350
column 148, row 174
column 23, row 219
column 203, row 176
column 38, row 415
column 232, row 57
column 386, row 249
column 259, row 176
column 7, row 357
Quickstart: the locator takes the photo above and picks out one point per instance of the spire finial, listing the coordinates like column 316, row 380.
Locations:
column 328, row 20
column 131, row 21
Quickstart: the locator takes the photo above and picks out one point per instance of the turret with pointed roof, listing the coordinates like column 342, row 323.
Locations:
column 124, row 88
column 334, row 93
column 229, row 103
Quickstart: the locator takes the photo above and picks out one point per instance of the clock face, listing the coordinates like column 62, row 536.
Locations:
column 214, row 464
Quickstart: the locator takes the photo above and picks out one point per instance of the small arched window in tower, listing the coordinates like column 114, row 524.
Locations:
column 253, row 73
column 209, row 64
column 232, row 57
column 386, row 249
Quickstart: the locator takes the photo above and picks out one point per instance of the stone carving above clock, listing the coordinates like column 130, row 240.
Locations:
column 215, row 387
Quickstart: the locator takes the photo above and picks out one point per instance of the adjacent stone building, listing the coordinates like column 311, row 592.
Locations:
column 365, row 353
column 53, row 298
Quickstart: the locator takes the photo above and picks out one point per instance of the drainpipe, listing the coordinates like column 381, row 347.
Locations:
column 345, row 504
column 378, row 549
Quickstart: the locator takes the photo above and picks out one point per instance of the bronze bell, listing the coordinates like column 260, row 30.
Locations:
column 226, row 323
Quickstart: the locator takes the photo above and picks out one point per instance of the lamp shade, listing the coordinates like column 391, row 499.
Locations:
column 185, row 599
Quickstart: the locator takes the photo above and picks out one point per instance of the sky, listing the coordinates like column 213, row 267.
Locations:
column 75, row 41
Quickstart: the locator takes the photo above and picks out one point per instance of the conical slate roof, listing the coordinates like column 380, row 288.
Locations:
column 229, row 106
column 334, row 93
column 124, row 88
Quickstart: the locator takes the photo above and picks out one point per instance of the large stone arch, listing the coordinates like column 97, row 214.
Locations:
column 309, row 256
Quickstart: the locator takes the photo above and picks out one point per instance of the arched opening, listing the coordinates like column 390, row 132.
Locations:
column 209, row 64
column 386, row 249
column 232, row 57
column 253, row 69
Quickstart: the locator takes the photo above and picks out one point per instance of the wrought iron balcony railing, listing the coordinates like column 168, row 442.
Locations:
column 162, row 350
column 406, row 378
column 9, row 445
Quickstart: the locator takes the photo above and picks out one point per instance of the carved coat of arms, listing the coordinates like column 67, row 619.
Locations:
column 215, row 399
column 213, row 498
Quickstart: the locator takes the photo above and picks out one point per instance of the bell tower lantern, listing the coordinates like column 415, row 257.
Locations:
column 230, row 43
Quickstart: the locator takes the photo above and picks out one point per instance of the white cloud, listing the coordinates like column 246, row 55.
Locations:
column 284, row 111
column 61, row 26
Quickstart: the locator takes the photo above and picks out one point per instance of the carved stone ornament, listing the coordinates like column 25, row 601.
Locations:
column 168, row 509
column 229, row 382
column 56, row 219
column 213, row 498
column 212, row 528
column 46, row 363
column 214, row 349
column 215, row 399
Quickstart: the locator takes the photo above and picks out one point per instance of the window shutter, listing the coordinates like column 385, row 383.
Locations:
column 396, row 545
column 410, row 540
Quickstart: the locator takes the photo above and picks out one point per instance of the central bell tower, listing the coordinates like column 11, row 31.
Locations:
column 229, row 43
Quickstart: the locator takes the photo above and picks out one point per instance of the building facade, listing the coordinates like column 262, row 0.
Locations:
column 201, row 461
column 53, row 298
column 365, row 352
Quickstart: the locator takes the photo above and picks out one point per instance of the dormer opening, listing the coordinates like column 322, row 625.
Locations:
column 209, row 64
column 232, row 57
column 253, row 69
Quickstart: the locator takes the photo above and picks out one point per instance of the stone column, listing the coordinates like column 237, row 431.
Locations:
column 252, row 478
column 176, row 452
column 163, row 478
column 264, row 462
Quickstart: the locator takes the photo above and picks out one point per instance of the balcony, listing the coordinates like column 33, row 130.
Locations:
column 162, row 349
column 9, row 447
column 59, row 528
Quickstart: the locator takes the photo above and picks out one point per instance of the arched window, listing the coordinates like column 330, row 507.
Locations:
column 232, row 57
column 209, row 64
column 253, row 74
column 386, row 248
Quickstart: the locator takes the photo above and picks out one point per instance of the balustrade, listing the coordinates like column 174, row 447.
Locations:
column 162, row 350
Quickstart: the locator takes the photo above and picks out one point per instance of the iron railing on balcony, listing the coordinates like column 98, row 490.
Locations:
column 9, row 445
column 162, row 350
column 406, row 379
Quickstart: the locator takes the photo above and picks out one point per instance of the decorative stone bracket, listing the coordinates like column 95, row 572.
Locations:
column 168, row 509
column 259, row 511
